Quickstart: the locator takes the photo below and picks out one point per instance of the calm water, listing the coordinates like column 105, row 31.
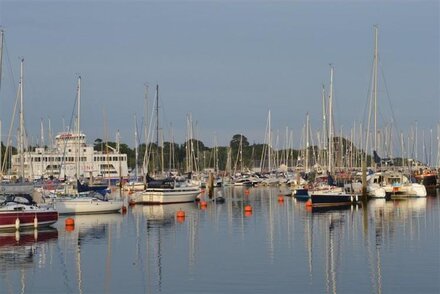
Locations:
column 390, row 247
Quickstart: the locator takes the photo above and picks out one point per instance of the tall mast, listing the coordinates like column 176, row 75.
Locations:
column 306, row 166
column 1, row 55
column 78, row 125
column 1, row 67
column 136, row 154
column 41, row 133
column 324, row 124
column 375, row 84
column 146, row 134
column 330, row 123
column 157, row 121
column 21, row 131
column 269, row 146
column 157, row 115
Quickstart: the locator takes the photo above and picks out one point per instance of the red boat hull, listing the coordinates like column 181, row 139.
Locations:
column 8, row 219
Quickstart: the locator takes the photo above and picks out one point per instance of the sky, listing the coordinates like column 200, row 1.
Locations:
column 225, row 63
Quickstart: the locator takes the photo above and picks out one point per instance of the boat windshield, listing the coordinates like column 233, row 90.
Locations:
column 17, row 198
column 97, row 195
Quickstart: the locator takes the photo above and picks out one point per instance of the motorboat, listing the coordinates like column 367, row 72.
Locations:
column 166, row 191
column 19, row 211
column 85, row 203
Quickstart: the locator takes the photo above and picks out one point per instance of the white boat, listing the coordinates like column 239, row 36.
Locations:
column 374, row 190
column 87, row 203
column 133, row 186
column 20, row 211
column 166, row 191
column 397, row 184
column 242, row 182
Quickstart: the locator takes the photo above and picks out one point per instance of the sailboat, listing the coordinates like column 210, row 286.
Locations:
column 19, row 185
column 89, row 201
column 394, row 182
column 326, row 193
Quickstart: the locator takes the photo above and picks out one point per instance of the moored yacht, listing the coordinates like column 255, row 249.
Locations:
column 20, row 211
column 166, row 191
column 396, row 183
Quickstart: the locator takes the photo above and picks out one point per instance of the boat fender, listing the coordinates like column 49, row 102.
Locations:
column 351, row 198
column 17, row 223
column 357, row 199
column 35, row 222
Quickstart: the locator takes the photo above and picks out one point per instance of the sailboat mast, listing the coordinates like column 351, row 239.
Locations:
column 136, row 154
column 375, row 84
column 269, row 146
column 157, row 120
column 157, row 115
column 78, row 167
column 330, row 123
column 21, row 147
column 1, row 70
column 324, row 124
column 307, row 144
column 1, row 55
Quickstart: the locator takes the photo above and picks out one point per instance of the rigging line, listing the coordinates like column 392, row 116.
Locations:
column 11, row 71
column 369, row 97
column 65, row 139
column 388, row 96
column 8, row 140
column 149, row 135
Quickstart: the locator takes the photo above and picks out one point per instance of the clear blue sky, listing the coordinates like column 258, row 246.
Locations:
column 225, row 62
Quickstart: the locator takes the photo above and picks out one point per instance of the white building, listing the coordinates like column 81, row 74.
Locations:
column 62, row 160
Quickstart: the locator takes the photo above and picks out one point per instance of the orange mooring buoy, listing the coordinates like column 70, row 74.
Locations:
column 180, row 213
column 203, row 204
column 309, row 203
column 247, row 192
column 280, row 198
column 248, row 208
column 69, row 222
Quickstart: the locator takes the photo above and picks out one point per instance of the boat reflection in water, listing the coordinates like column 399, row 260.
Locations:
column 80, row 241
column 158, row 229
column 20, row 250
column 333, row 238
column 163, row 214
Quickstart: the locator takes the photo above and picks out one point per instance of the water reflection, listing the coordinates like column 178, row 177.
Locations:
column 78, row 240
column 280, row 247
column 156, row 227
column 19, row 250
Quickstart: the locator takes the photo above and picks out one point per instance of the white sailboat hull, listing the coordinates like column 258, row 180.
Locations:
column 166, row 196
column 411, row 190
column 86, row 206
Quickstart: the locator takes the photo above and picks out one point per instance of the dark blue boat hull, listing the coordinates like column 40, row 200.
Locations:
column 333, row 199
column 301, row 194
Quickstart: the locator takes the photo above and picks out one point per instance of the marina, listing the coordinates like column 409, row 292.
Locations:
column 279, row 246
column 219, row 147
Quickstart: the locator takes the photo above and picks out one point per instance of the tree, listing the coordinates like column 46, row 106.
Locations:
column 97, row 145
column 235, row 142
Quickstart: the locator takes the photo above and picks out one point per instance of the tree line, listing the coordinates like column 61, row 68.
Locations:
column 194, row 155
